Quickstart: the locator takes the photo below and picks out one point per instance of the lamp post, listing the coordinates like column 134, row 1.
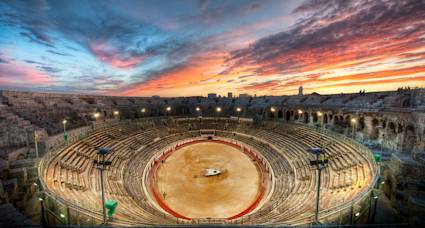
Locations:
column 116, row 113
column 143, row 110
column 65, row 135
column 272, row 110
column 320, row 165
column 36, row 143
column 198, row 110
column 168, row 109
column 238, row 110
column 320, row 115
column 354, row 125
column 64, row 125
column 101, row 164
column 300, row 112
column 96, row 117
column 217, row 111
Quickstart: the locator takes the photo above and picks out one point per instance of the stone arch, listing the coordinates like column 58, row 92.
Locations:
column 347, row 121
column 375, row 131
column 288, row 115
column 399, row 128
column 409, row 138
column 361, row 125
column 306, row 117
column 325, row 118
column 279, row 114
column 315, row 118
column 391, row 128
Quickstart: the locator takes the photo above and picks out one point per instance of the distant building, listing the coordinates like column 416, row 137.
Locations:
column 156, row 97
column 243, row 95
column 300, row 91
column 229, row 95
column 212, row 95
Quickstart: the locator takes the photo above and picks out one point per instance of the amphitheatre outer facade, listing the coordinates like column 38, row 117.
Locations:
column 354, row 129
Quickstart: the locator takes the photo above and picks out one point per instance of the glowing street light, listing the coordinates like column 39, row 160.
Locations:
column 218, row 109
column 62, row 215
column 300, row 111
column 168, row 109
column 96, row 115
column 238, row 110
column 198, row 109
column 272, row 109
column 320, row 114
column 353, row 123
column 143, row 110
column 116, row 113
column 64, row 125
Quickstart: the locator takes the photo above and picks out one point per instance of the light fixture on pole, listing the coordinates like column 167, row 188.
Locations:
column 143, row 110
column 168, row 109
column 319, row 164
column 96, row 115
column 64, row 125
column 238, row 110
column 354, row 125
column 101, row 164
column 116, row 113
column 36, row 137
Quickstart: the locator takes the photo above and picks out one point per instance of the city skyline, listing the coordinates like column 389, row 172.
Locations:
column 192, row 48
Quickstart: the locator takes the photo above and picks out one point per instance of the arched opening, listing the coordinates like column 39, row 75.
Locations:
column 325, row 119
column 315, row 117
column 347, row 121
column 391, row 128
column 361, row 124
column 409, row 139
column 375, row 131
column 288, row 115
column 399, row 128
column 280, row 114
column 306, row 118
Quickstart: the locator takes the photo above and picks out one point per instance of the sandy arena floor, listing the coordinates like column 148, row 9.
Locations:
column 185, row 189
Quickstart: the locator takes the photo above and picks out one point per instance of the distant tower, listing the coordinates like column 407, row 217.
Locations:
column 300, row 91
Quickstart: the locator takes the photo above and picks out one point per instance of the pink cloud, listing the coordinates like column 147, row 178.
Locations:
column 107, row 53
column 19, row 74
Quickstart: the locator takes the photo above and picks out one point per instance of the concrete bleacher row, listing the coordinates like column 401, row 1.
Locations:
column 73, row 176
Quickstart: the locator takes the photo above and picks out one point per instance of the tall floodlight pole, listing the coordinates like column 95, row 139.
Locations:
column 198, row 110
column 320, row 165
column 320, row 115
column 143, row 112
column 101, row 165
column 168, row 109
column 353, row 123
column 238, row 110
column 36, row 143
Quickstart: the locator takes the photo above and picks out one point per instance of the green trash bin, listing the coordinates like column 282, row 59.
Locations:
column 377, row 157
column 111, row 205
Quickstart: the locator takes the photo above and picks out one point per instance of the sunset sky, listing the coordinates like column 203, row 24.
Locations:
column 187, row 48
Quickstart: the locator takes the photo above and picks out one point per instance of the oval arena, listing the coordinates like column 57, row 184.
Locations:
column 158, row 172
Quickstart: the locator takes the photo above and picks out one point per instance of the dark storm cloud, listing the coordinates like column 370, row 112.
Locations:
column 332, row 30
